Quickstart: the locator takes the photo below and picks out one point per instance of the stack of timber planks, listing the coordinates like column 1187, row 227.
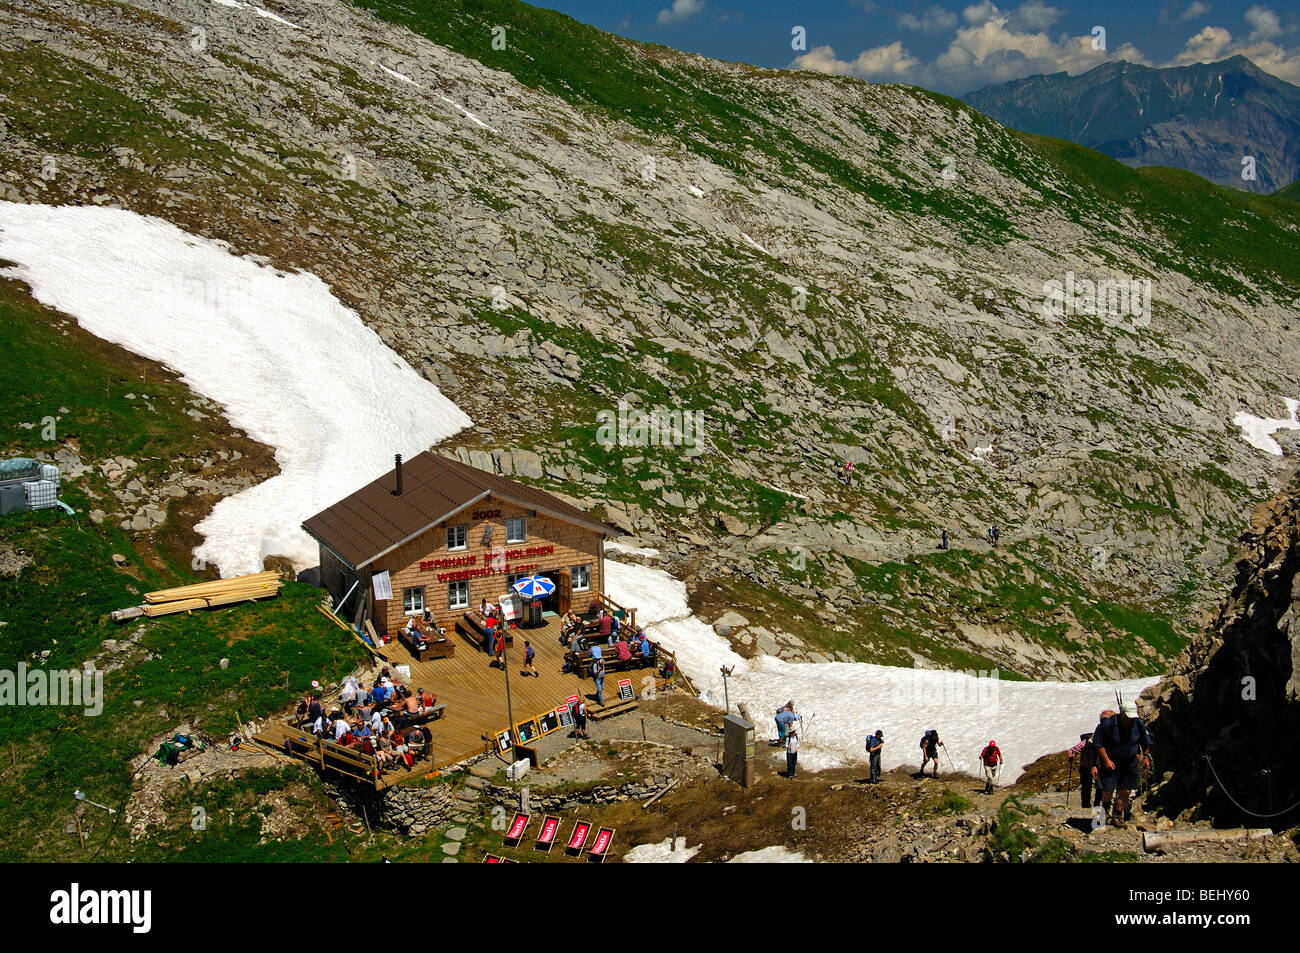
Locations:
column 204, row 595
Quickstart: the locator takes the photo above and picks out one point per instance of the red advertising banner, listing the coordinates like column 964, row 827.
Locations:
column 491, row 859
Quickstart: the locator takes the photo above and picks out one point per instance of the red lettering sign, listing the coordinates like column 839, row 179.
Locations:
column 517, row 827
column 427, row 564
column 602, row 841
column 549, row 828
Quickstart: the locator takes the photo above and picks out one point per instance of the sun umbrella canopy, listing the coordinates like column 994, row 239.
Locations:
column 534, row 587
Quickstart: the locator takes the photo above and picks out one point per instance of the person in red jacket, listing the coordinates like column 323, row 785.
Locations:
column 991, row 759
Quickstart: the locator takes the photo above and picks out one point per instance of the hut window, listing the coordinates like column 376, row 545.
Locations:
column 456, row 538
column 581, row 577
column 458, row 594
column 515, row 530
column 413, row 600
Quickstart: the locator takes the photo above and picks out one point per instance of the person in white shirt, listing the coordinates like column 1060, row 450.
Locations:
column 791, row 751
column 341, row 728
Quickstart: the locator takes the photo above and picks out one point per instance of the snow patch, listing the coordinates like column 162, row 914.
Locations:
column 1258, row 431
column 841, row 702
column 260, row 11
column 393, row 73
column 289, row 363
column 451, row 102
column 662, row 852
column 615, row 547
column 776, row 854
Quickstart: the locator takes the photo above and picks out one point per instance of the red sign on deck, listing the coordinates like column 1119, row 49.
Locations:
column 602, row 841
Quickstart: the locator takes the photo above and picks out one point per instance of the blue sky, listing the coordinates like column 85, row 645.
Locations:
column 956, row 47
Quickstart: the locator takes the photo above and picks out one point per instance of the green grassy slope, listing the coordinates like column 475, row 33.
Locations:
column 59, row 602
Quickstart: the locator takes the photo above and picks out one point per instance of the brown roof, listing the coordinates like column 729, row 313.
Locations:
column 372, row 521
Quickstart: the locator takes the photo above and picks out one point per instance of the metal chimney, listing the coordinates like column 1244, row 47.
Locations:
column 397, row 491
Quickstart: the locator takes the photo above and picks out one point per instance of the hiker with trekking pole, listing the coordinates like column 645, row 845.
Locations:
column 930, row 745
column 1122, row 749
column 1086, row 752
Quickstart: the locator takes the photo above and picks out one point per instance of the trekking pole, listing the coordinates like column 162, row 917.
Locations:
column 1069, row 777
column 945, row 751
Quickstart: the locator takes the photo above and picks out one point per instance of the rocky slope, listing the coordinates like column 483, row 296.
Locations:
column 1227, row 718
column 1205, row 117
column 825, row 269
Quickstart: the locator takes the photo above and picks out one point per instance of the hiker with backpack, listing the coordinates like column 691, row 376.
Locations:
column 1122, row 746
column 598, row 673
column 785, row 717
column 579, row 719
column 991, row 758
column 1086, row 752
column 875, row 743
column 791, row 751
column 944, row 540
column 529, row 655
column 930, row 745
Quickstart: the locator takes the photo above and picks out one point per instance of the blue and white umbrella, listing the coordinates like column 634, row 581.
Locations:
column 534, row 587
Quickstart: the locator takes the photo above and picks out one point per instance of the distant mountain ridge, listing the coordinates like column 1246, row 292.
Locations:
column 1204, row 118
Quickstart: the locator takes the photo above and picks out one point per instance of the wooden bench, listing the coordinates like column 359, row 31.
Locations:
column 476, row 624
column 349, row 761
column 614, row 664
column 433, row 648
column 406, row 719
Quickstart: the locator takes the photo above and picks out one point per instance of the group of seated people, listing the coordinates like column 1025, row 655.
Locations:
column 418, row 635
column 601, row 626
column 615, row 648
column 380, row 721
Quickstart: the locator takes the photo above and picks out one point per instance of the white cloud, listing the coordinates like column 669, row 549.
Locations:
column 1215, row 43
column 979, row 13
column 994, row 46
column 1035, row 15
column 1264, row 24
column 991, row 47
column 680, row 11
column 880, row 63
column 934, row 20
column 1204, row 47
